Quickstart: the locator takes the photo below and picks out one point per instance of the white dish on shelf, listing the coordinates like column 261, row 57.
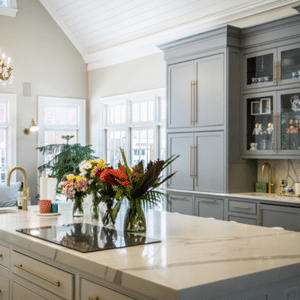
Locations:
column 48, row 215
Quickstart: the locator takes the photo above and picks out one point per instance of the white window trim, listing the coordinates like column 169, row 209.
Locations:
column 81, row 126
column 148, row 95
column 11, row 126
column 9, row 11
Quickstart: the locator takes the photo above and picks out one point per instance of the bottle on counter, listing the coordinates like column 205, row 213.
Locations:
column 282, row 186
column 20, row 197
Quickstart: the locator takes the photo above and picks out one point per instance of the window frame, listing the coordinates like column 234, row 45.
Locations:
column 150, row 95
column 11, row 10
column 11, row 126
column 63, row 102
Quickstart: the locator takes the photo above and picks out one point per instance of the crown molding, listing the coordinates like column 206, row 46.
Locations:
column 63, row 26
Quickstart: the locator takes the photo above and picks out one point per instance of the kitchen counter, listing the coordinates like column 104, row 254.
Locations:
column 198, row 258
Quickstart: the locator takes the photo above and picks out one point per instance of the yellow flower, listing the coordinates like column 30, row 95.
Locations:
column 71, row 176
column 101, row 163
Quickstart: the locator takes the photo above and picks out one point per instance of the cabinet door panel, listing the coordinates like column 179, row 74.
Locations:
column 4, row 288
column 179, row 95
column 182, row 204
column 210, row 208
column 210, row 175
column 181, row 144
column 280, row 216
column 210, row 91
column 21, row 293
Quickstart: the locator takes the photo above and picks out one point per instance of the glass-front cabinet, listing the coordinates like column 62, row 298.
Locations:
column 272, row 124
column 272, row 67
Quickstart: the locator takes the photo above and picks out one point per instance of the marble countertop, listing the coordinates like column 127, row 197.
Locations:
column 196, row 255
column 287, row 199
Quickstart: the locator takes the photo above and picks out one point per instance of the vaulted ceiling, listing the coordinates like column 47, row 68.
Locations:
column 107, row 32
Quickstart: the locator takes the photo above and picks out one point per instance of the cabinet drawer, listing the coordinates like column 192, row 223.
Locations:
column 210, row 208
column 242, row 207
column 242, row 220
column 90, row 291
column 4, row 288
column 48, row 277
column 182, row 204
column 4, row 256
column 20, row 293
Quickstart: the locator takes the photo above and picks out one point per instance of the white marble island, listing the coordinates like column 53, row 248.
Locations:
column 197, row 258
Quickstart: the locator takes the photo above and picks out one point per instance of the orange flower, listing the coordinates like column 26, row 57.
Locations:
column 119, row 176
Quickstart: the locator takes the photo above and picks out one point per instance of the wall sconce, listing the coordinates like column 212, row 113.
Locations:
column 32, row 127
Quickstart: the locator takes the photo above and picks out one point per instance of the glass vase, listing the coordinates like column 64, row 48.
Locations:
column 106, row 213
column 78, row 207
column 95, row 211
column 135, row 220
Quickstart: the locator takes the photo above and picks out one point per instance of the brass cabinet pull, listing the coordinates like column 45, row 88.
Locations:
column 91, row 298
column 278, row 72
column 178, row 197
column 194, row 109
column 39, row 276
column 194, row 161
column 191, row 102
column 237, row 206
column 274, row 72
column 191, row 157
column 277, row 134
column 207, row 200
column 0, row 255
column 258, row 216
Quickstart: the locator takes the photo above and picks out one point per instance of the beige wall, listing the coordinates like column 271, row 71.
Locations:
column 42, row 55
column 133, row 76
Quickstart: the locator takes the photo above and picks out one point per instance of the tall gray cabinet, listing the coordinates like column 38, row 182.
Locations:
column 203, row 118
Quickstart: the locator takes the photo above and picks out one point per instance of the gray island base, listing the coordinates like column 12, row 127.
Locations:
column 198, row 258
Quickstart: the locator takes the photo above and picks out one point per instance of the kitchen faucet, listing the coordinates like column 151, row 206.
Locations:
column 270, row 183
column 25, row 193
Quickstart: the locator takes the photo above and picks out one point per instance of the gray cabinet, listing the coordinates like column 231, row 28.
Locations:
column 242, row 211
column 200, row 166
column 209, row 207
column 181, row 203
column 271, row 215
column 192, row 102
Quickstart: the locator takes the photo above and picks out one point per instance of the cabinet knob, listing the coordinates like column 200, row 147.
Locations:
column 0, row 255
column 91, row 298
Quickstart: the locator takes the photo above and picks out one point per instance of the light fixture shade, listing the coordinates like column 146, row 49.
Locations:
column 33, row 126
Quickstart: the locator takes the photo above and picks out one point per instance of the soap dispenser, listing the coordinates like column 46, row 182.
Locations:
column 282, row 186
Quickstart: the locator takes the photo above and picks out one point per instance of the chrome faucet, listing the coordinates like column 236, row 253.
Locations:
column 25, row 192
column 270, row 183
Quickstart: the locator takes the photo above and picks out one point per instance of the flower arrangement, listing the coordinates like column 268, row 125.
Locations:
column 138, row 185
column 100, row 186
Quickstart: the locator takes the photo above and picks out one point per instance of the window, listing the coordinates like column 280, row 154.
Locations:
column 59, row 117
column 136, row 123
column 7, row 135
column 8, row 8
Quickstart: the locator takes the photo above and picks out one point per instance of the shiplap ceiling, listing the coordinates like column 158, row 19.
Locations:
column 107, row 32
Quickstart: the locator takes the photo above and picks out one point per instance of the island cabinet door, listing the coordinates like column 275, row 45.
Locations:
column 4, row 288
column 210, row 208
column 4, row 257
column 279, row 216
column 93, row 291
column 21, row 293
column 181, row 144
column 210, row 162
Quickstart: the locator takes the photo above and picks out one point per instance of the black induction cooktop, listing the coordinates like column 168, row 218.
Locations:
column 85, row 237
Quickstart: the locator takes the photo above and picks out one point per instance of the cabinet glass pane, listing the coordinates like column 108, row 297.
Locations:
column 290, row 64
column 260, row 123
column 290, row 121
column 260, row 69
